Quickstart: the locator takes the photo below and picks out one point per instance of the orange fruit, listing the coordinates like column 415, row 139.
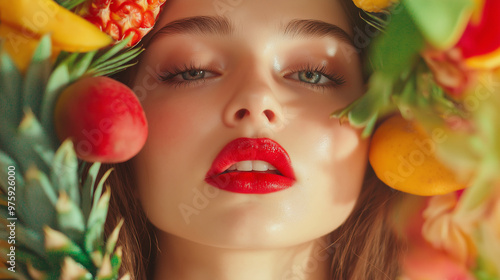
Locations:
column 403, row 156
column 373, row 6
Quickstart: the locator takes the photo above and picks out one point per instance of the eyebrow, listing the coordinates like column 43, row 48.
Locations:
column 222, row 26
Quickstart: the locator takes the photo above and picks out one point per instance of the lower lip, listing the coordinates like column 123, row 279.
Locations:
column 250, row 182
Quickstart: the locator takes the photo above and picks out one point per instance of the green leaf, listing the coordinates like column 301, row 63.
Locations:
column 98, row 191
column 377, row 97
column 70, row 218
column 110, row 52
column 97, row 218
column 69, row 4
column 26, row 237
column 113, row 238
column 82, row 65
column 64, row 171
column 59, row 245
column 5, row 162
column 399, row 47
column 440, row 22
column 58, row 80
column 31, row 131
column 88, row 189
column 37, row 75
column 39, row 200
column 10, row 94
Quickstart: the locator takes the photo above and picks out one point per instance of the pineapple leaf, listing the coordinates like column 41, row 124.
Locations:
column 32, row 132
column 119, row 59
column 73, row 270
column 106, row 270
column 98, row 191
column 28, row 238
column 95, row 224
column 70, row 218
column 113, row 237
column 110, row 70
column 57, row 81
column 64, row 173
column 38, row 200
column 59, row 246
column 88, row 188
column 69, row 4
column 10, row 99
column 37, row 75
column 82, row 65
column 110, row 52
column 5, row 162
column 116, row 260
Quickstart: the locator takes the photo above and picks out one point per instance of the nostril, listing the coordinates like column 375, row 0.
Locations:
column 270, row 115
column 241, row 113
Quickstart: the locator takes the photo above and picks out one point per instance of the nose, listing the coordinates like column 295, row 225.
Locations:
column 253, row 104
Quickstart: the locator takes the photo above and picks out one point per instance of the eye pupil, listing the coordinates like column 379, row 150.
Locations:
column 193, row 74
column 310, row 77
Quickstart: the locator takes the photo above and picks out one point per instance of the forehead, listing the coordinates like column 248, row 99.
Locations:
column 261, row 15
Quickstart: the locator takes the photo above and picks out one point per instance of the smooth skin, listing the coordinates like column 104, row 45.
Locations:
column 202, row 89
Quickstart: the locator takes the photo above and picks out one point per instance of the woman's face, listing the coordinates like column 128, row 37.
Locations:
column 271, row 71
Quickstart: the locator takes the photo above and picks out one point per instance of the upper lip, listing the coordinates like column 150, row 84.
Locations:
column 242, row 149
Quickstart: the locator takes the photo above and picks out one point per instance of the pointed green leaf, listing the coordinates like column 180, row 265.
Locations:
column 28, row 238
column 116, row 261
column 59, row 245
column 110, row 52
column 81, row 66
column 64, row 175
column 10, row 93
column 39, row 200
column 37, row 75
column 70, row 218
column 95, row 224
column 120, row 59
column 88, row 189
column 7, row 164
column 98, row 191
column 58, row 80
column 113, row 238
column 31, row 130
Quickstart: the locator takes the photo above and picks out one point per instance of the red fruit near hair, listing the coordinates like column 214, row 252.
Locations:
column 104, row 119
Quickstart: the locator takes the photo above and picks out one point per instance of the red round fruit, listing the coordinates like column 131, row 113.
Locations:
column 104, row 119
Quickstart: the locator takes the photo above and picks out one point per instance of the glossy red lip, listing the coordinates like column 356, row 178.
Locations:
column 253, row 182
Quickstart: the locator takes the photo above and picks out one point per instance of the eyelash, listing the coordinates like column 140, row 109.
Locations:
column 335, row 78
column 169, row 75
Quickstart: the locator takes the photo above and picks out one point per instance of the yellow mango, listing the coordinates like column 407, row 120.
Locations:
column 69, row 32
column 404, row 157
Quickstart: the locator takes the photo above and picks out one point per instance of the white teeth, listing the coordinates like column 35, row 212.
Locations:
column 245, row 165
column 259, row 165
column 251, row 165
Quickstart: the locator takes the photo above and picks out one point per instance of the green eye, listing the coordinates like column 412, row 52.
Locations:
column 309, row 77
column 193, row 75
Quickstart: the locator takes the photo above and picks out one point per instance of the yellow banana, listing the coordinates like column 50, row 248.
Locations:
column 69, row 32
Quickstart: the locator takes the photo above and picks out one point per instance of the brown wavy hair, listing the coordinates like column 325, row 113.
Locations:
column 366, row 244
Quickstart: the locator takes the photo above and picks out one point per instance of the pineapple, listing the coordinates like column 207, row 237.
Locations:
column 58, row 219
column 122, row 18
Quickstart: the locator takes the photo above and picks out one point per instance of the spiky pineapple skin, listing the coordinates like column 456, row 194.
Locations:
column 122, row 18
